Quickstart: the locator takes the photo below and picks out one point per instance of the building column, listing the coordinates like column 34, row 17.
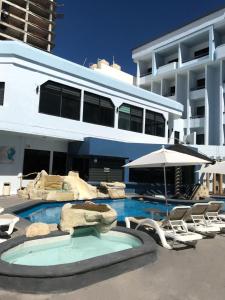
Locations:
column 138, row 74
column 188, row 103
column 26, row 22
column 221, row 104
column 214, row 184
column 206, row 127
column 126, row 172
column 221, row 184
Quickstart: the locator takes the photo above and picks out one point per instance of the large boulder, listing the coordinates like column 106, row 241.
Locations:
column 37, row 229
column 101, row 216
column 115, row 190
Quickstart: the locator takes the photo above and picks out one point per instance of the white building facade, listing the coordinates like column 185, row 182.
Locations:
column 188, row 66
column 57, row 115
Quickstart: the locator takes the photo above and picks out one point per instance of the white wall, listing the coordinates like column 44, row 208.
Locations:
column 9, row 171
column 20, row 110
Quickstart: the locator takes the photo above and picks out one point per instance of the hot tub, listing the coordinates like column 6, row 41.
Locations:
column 61, row 262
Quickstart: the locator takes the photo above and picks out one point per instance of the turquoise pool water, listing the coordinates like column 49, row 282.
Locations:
column 50, row 212
column 65, row 249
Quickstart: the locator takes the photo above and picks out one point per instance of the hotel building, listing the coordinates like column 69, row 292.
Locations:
column 188, row 66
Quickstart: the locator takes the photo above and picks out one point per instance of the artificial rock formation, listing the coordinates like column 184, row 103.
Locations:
column 101, row 216
column 70, row 187
column 115, row 190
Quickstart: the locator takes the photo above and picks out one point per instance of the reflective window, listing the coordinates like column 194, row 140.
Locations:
column 98, row 110
column 154, row 123
column 60, row 100
column 130, row 118
column 35, row 161
column 2, row 91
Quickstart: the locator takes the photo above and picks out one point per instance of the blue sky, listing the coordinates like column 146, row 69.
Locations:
column 93, row 29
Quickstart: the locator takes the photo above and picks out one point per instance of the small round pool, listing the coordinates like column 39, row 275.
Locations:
column 84, row 244
column 60, row 262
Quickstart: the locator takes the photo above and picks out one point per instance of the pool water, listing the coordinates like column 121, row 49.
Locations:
column 85, row 244
column 50, row 212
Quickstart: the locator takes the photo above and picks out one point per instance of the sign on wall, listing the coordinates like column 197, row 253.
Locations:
column 7, row 154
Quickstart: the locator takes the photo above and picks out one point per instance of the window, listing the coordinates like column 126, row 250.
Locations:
column 172, row 90
column 98, row 110
column 176, row 137
column 200, row 111
column 130, row 118
column 35, row 161
column 2, row 91
column 154, row 123
column 200, row 83
column 60, row 100
column 201, row 52
column 200, row 139
column 59, row 163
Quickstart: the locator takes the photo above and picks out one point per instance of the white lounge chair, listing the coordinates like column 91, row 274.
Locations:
column 173, row 227
column 1, row 209
column 213, row 214
column 196, row 221
column 9, row 221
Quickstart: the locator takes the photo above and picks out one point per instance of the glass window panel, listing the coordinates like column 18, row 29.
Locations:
column 154, row 124
column 35, row 161
column 59, row 163
column 2, row 91
column 70, row 108
column 107, row 116
column 124, row 121
column 50, row 103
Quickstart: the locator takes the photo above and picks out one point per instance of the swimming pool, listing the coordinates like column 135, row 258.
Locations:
column 50, row 212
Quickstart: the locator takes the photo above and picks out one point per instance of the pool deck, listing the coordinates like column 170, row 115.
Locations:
column 185, row 273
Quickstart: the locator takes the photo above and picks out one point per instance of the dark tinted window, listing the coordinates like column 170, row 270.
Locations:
column 130, row 118
column 59, row 163
column 35, row 161
column 60, row 100
column 201, row 83
column 98, row 110
column 200, row 111
column 2, row 91
column 202, row 52
column 154, row 123
column 200, row 139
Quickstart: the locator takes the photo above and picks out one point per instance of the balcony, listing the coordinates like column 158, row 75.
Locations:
column 197, row 121
column 145, row 79
column 220, row 52
column 197, row 93
column 167, row 68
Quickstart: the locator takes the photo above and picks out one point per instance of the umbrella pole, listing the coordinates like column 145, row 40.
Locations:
column 164, row 171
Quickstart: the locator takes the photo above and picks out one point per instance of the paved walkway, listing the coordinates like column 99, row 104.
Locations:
column 189, row 274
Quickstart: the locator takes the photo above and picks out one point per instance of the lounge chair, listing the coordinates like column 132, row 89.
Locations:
column 173, row 227
column 1, row 209
column 9, row 221
column 213, row 214
column 196, row 221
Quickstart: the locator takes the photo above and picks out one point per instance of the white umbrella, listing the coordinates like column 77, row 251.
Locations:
column 218, row 168
column 165, row 158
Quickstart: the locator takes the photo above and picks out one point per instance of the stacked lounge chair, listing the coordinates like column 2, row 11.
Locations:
column 196, row 220
column 172, row 227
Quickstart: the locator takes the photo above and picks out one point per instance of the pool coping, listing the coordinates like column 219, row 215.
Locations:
column 71, row 276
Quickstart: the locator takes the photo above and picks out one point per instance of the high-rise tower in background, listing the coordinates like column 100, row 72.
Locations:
column 30, row 21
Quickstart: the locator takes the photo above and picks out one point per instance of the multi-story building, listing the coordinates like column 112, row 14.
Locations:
column 57, row 115
column 30, row 21
column 188, row 66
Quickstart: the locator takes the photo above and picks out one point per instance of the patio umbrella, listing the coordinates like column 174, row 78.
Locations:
column 166, row 158
column 218, row 168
